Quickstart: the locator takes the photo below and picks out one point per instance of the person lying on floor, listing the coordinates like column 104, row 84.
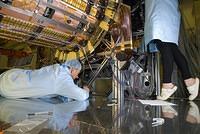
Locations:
column 49, row 81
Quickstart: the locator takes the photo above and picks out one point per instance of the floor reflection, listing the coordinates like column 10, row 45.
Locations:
column 14, row 111
column 96, row 117
column 183, row 118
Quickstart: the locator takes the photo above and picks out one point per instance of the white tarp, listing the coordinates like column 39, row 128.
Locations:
column 162, row 21
column 47, row 81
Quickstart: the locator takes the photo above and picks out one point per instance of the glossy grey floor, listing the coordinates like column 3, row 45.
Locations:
column 97, row 117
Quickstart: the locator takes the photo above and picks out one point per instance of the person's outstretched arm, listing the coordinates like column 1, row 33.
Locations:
column 71, row 90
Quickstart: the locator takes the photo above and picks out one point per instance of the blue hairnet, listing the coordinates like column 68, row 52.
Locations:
column 73, row 64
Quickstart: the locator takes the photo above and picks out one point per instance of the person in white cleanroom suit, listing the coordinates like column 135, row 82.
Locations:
column 48, row 81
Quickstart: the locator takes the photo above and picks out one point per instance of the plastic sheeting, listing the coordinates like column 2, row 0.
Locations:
column 162, row 21
column 47, row 81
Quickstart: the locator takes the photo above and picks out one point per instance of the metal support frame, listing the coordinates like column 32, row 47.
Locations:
column 157, row 73
column 118, row 91
column 98, row 71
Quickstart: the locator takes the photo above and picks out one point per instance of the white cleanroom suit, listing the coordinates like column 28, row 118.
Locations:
column 48, row 81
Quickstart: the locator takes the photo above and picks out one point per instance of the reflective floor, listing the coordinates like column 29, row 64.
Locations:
column 97, row 116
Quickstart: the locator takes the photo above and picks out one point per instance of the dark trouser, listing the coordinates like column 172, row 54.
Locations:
column 169, row 54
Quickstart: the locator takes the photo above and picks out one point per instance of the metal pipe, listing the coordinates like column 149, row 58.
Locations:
column 97, row 72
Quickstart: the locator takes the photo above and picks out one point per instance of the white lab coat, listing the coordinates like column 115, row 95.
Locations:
column 47, row 81
column 162, row 21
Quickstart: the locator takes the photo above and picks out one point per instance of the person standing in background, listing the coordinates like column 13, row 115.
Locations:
column 162, row 24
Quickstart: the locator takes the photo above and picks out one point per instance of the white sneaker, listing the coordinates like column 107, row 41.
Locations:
column 166, row 93
column 169, row 109
column 194, row 111
column 194, row 90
